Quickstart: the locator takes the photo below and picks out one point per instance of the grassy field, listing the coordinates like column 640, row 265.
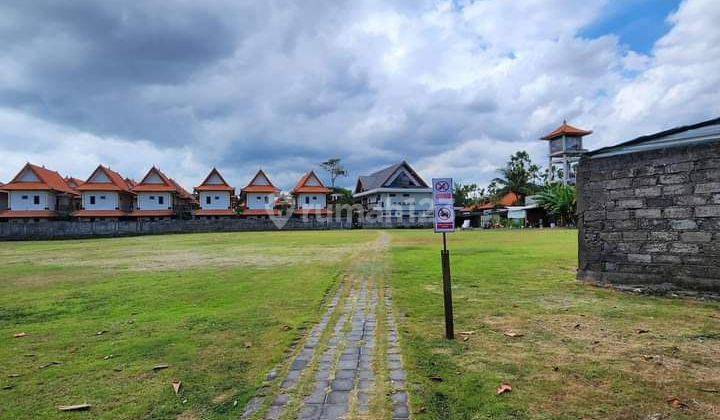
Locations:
column 583, row 352
column 222, row 309
column 219, row 309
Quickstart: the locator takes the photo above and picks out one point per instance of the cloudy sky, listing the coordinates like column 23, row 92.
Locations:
column 454, row 87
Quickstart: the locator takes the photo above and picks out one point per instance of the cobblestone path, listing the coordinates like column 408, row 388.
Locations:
column 350, row 364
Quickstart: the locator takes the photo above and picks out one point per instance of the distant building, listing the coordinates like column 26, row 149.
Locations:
column 160, row 197
column 3, row 198
column 311, row 196
column 565, row 144
column 395, row 193
column 215, row 197
column 104, row 195
column 649, row 210
column 260, row 197
column 38, row 194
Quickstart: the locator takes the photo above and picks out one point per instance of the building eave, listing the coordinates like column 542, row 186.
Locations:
column 393, row 190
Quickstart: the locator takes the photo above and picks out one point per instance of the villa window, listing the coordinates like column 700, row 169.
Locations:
column 102, row 197
column 208, row 199
column 314, row 198
column 406, row 195
column 24, row 197
column 152, row 197
column 36, row 200
column 259, row 198
column 161, row 199
column 92, row 200
column 267, row 199
column 307, row 200
column 217, row 198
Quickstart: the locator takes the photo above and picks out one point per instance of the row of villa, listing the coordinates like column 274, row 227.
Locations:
column 39, row 194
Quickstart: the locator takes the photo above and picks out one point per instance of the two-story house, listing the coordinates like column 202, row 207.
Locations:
column 38, row 194
column 215, row 197
column 260, row 197
column 395, row 193
column 158, row 197
column 105, row 195
column 311, row 196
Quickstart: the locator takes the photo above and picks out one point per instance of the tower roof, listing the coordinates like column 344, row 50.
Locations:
column 566, row 130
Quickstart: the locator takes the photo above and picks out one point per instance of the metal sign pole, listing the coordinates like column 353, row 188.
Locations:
column 447, row 291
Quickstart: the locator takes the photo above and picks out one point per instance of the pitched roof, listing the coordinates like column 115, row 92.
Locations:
column 703, row 131
column 115, row 181
column 222, row 186
column 380, row 178
column 165, row 185
column 73, row 182
column 303, row 187
column 182, row 192
column 566, row 130
column 508, row 199
column 45, row 180
column 255, row 186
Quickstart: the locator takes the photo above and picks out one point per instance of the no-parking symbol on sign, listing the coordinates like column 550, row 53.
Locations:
column 443, row 202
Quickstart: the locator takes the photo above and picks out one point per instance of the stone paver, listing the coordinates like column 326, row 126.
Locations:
column 344, row 377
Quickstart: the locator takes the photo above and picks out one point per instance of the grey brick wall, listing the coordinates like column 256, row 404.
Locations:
column 651, row 218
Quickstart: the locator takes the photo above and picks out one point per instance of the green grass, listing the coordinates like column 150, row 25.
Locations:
column 195, row 302
column 215, row 306
column 580, row 355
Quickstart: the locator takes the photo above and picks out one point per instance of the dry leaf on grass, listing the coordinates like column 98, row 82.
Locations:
column 503, row 388
column 436, row 379
column 248, row 344
column 676, row 403
column 286, row 328
column 466, row 338
column 466, row 332
column 513, row 334
column 14, row 375
column 160, row 367
column 642, row 331
column 176, row 384
column 77, row 407
column 100, row 332
column 20, row 335
column 47, row 365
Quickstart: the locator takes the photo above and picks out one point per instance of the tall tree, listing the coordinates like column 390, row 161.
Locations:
column 520, row 176
column 467, row 194
column 335, row 169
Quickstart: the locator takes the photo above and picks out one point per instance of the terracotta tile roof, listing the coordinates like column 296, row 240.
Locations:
column 302, row 186
column 48, row 181
column 260, row 212
column 117, row 182
column 227, row 212
column 167, row 185
column 99, row 213
column 509, row 199
column 73, row 182
column 152, row 213
column 30, row 214
column 253, row 187
column 224, row 186
column 566, row 130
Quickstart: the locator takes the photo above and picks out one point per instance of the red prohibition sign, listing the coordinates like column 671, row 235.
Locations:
column 444, row 214
column 442, row 186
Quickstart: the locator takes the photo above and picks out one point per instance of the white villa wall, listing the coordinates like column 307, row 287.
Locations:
column 219, row 200
column 104, row 200
column 260, row 201
column 18, row 203
column 151, row 201
column 314, row 201
column 401, row 202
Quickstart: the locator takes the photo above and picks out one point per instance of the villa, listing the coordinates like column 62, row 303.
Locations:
column 260, row 196
column 215, row 197
column 159, row 197
column 105, row 195
column 310, row 196
column 38, row 194
column 395, row 193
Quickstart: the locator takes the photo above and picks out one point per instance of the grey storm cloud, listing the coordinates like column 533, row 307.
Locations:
column 284, row 85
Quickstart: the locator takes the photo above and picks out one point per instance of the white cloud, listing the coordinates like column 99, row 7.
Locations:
column 454, row 87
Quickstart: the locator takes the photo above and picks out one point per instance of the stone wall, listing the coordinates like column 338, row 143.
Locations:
column 78, row 229
column 84, row 229
column 651, row 218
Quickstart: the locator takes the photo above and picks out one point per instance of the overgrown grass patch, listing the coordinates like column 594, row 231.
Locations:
column 584, row 352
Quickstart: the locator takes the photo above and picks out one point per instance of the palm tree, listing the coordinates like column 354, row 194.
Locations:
column 519, row 176
column 560, row 200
